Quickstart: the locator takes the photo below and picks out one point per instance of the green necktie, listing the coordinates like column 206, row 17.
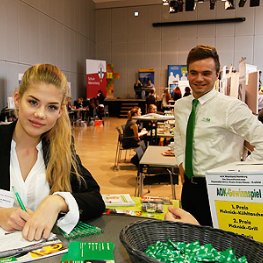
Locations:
column 189, row 141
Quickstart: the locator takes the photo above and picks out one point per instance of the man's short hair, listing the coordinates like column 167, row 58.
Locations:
column 202, row 52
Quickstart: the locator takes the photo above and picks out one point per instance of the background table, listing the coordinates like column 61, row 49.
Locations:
column 153, row 119
column 153, row 157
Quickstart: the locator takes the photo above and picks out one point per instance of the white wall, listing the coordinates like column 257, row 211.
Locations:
column 131, row 42
column 61, row 32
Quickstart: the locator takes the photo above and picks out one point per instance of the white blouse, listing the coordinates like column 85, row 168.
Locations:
column 35, row 188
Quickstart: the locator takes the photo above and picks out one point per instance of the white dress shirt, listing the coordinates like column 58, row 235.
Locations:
column 35, row 188
column 222, row 125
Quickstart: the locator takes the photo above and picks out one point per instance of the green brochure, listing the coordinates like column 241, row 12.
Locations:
column 84, row 252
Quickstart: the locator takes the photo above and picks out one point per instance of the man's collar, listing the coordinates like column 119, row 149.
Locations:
column 212, row 93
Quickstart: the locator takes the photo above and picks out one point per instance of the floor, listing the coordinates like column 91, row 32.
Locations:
column 96, row 147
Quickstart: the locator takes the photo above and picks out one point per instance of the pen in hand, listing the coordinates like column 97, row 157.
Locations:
column 19, row 200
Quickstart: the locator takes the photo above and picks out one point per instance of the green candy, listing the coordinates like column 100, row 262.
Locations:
column 182, row 252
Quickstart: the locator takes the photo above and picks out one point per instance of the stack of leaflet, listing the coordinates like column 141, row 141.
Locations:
column 89, row 252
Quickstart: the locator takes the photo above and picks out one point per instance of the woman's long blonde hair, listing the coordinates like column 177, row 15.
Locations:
column 61, row 156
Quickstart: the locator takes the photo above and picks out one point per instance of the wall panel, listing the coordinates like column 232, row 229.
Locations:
column 61, row 32
column 160, row 46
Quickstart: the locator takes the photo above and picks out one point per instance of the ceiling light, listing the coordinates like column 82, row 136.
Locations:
column 242, row 3
column 229, row 4
column 173, row 6
column 180, row 5
column 254, row 3
column 165, row 2
column 190, row 5
column 212, row 4
column 136, row 13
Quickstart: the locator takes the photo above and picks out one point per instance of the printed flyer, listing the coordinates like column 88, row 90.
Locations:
column 236, row 199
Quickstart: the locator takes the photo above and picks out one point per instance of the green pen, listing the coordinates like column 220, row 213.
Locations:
column 19, row 200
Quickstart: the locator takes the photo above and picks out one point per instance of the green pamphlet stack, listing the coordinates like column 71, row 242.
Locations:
column 80, row 252
column 80, row 230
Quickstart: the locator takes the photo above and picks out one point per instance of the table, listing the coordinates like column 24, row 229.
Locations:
column 154, row 118
column 153, row 157
column 111, row 226
column 137, row 208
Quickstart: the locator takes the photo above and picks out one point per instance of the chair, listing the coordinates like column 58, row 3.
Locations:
column 155, row 175
column 106, row 111
column 120, row 147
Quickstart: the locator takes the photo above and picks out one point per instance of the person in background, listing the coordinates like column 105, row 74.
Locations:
column 138, row 89
column 187, row 91
column 92, row 108
column 100, row 97
column 149, row 87
column 70, row 108
column 38, row 158
column 222, row 123
column 166, row 96
column 7, row 115
column 131, row 134
column 148, row 125
column 152, row 108
column 151, row 99
column 79, row 103
column 80, row 110
column 177, row 94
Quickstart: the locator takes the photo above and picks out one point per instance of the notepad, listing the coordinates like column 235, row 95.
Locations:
column 13, row 247
column 15, row 240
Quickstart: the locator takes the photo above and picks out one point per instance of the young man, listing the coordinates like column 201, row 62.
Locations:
column 222, row 123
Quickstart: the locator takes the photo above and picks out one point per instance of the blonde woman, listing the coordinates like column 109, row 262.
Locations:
column 38, row 158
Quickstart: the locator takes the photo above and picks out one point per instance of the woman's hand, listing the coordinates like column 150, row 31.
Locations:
column 44, row 218
column 180, row 215
column 14, row 219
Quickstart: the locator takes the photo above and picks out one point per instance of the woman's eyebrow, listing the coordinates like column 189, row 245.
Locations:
column 33, row 97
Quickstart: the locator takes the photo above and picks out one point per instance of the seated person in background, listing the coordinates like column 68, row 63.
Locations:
column 180, row 215
column 38, row 158
column 69, row 104
column 7, row 115
column 79, row 106
column 100, row 111
column 78, row 103
column 177, row 94
column 152, row 108
column 151, row 99
column 70, row 109
column 92, row 108
column 131, row 131
column 131, row 135
column 187, row 91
